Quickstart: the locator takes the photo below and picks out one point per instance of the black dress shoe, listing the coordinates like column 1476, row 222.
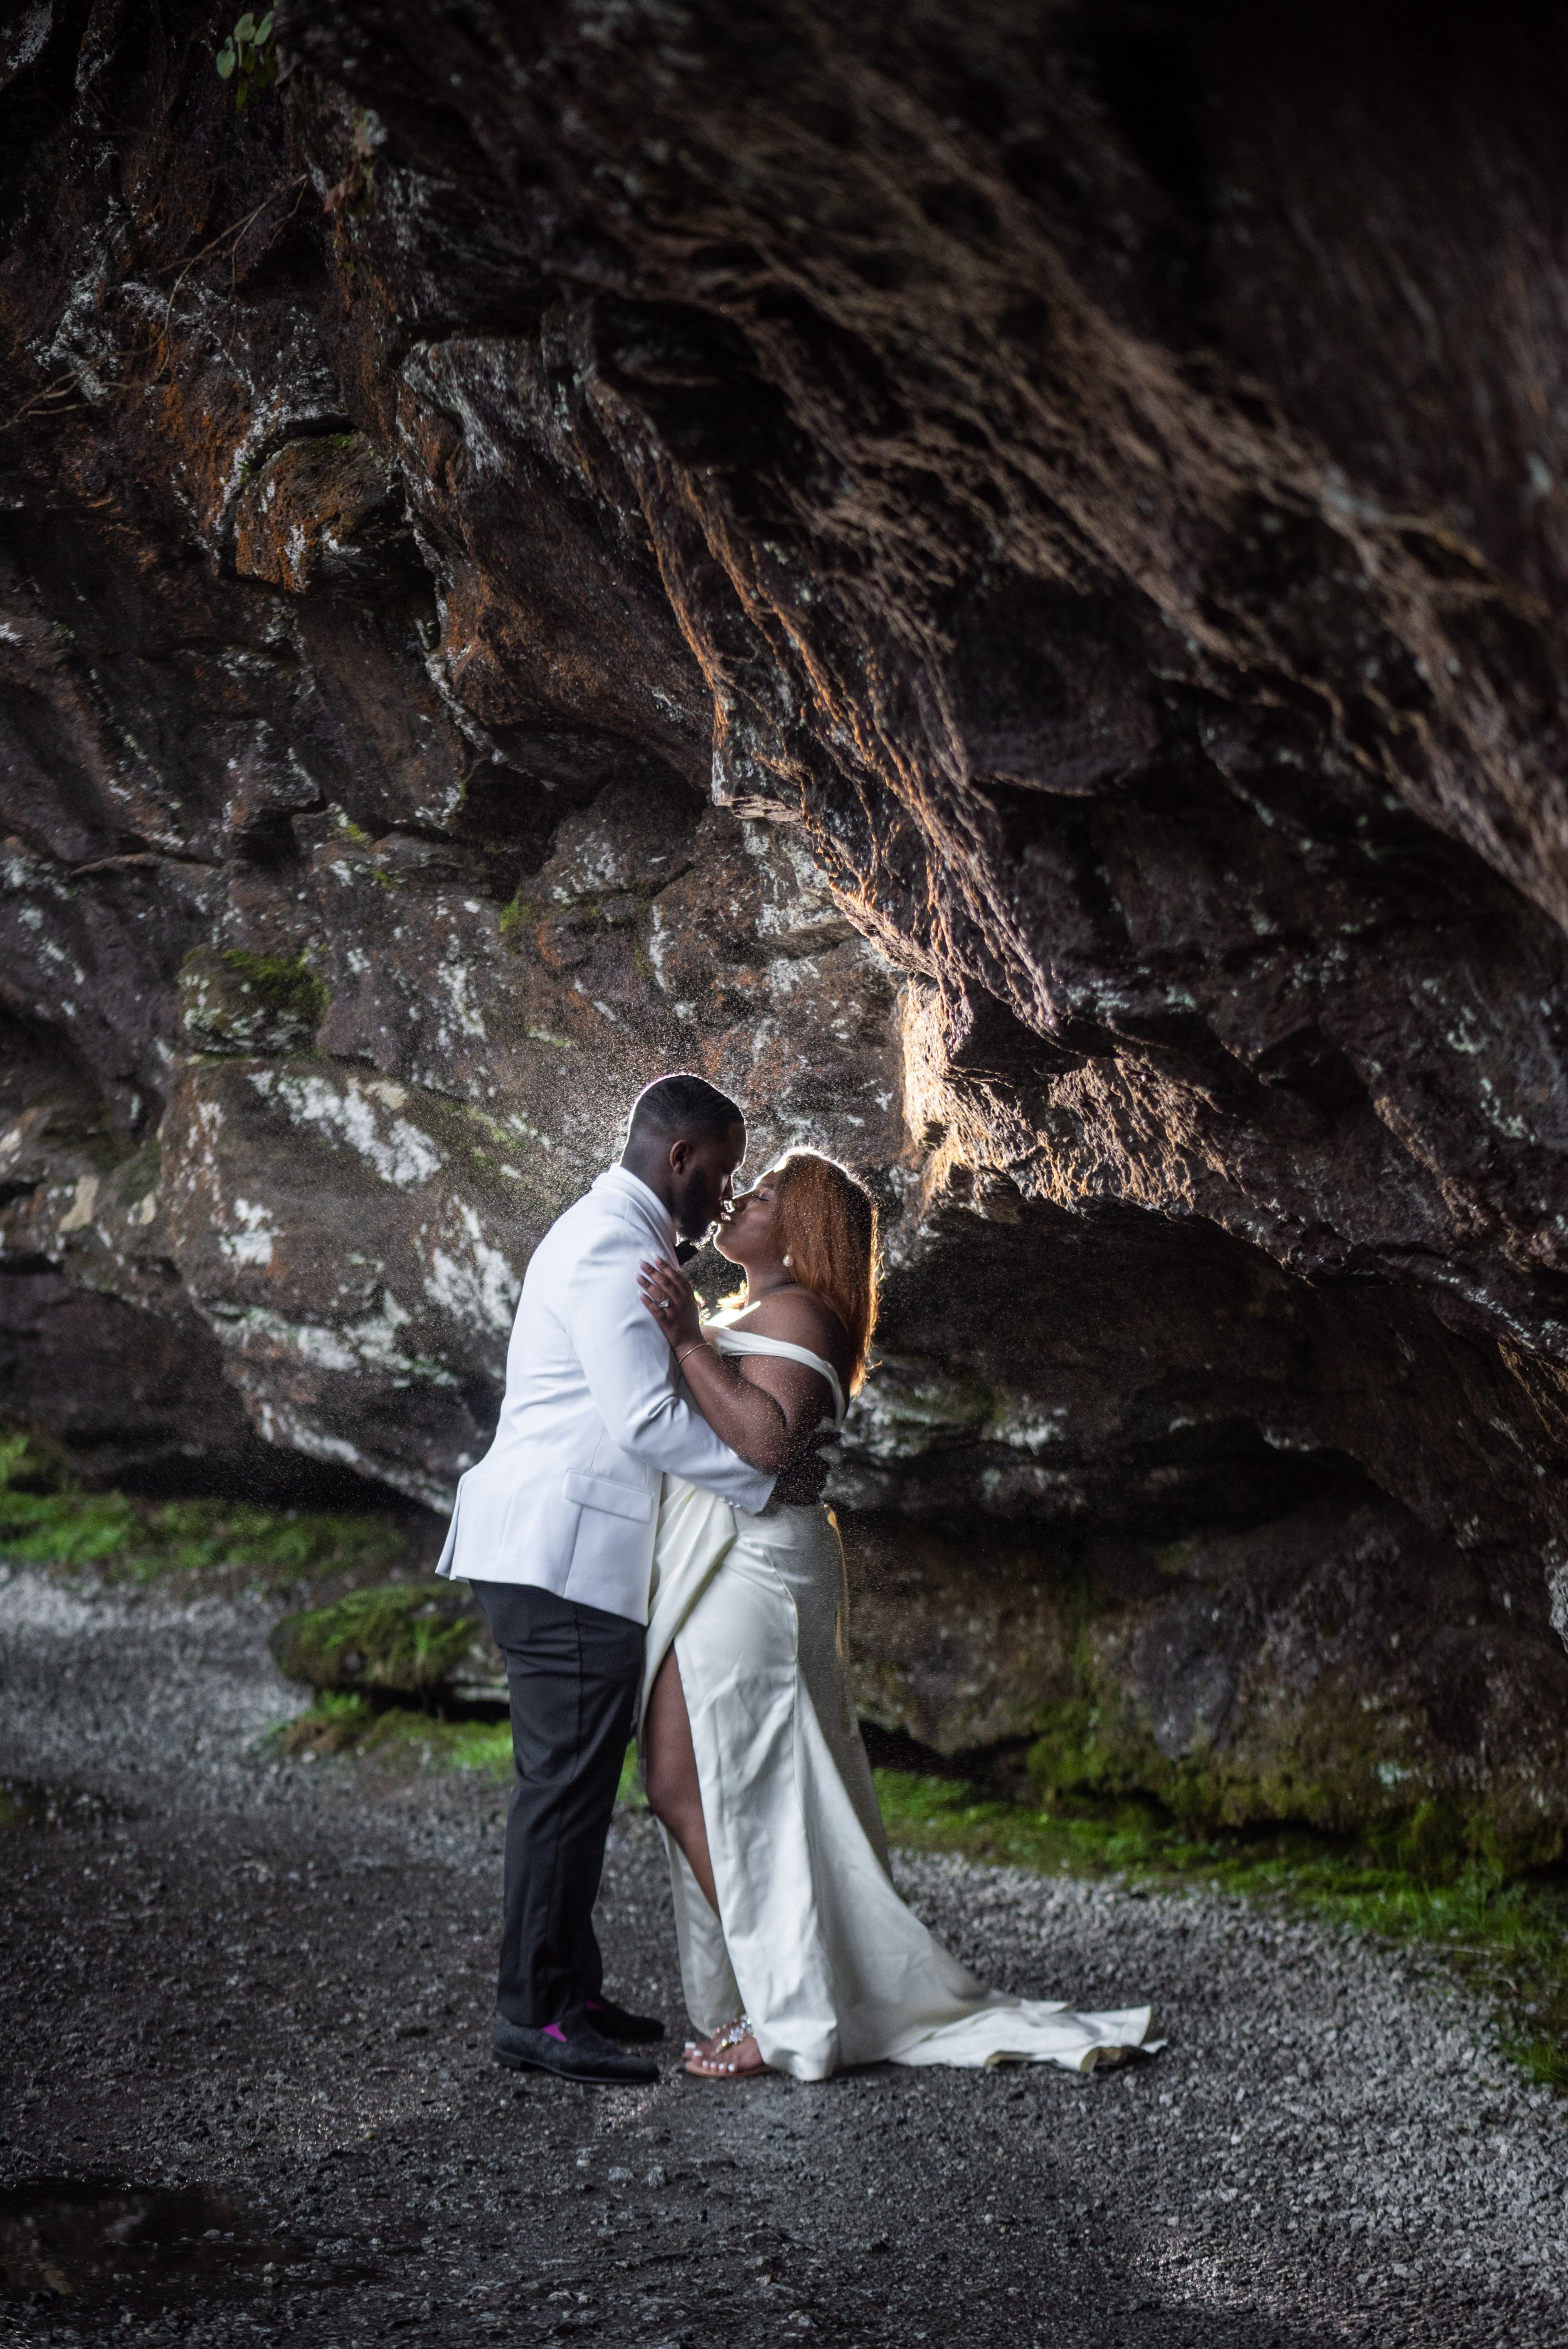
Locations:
column 617, row 2023
column 572, row 2050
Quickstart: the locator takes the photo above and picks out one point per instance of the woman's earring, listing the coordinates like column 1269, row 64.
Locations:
column 785, row 1255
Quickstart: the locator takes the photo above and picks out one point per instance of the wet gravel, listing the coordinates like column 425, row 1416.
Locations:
column 263, row 1994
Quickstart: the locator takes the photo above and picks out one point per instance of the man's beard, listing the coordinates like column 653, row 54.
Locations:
column 687, row 1209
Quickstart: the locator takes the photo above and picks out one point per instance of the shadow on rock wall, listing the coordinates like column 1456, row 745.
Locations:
column 989, row 577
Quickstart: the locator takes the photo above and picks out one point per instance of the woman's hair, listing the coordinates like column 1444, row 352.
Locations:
column 826, row 1223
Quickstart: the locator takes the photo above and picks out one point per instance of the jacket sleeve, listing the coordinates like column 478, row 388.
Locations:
column 629, row 1371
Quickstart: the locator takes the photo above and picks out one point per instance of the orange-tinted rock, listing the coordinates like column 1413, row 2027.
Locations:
column 321, row 513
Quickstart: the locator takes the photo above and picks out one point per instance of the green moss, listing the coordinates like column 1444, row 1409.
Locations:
column 519, row 916
column 1092, row 1745
column 46, row 1519
column 398, row 1737
column 238, row 1002
column 407, row 1640
column 1432, row 1843
column 1333, row 1762
column 1070, row 1756
column 630, row 1790
column 1509, row 1937
column 288, row 988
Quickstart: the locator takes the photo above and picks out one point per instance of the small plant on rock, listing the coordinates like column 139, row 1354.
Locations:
column 248, row 58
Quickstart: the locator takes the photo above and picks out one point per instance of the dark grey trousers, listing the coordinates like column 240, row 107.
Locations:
column 572, row 1676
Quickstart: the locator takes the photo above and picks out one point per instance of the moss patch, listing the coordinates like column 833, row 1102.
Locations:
column 1509, row 1937
column 46, row 1519
column 398, row 1737
column 1337, row 1761
column 238, row 1002
column 288, row 988
column 407, row 1640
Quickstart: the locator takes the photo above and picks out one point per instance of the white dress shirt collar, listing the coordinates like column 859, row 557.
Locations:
column 621, row 1178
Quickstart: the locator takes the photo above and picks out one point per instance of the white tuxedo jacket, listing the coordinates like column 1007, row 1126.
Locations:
column 568, row 1495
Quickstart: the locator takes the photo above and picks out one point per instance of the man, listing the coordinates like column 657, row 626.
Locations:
column 555, row 1528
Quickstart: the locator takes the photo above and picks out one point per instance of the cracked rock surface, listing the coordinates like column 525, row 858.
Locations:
column 994, row 578
column 274, row 1986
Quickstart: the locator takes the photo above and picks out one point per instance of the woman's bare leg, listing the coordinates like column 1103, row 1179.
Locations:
column 674, row 1798
column 674, row 1790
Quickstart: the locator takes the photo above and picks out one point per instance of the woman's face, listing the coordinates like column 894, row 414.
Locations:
column 745, row 1234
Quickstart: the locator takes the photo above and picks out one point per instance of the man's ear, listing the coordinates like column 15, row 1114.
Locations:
column 680, row 1155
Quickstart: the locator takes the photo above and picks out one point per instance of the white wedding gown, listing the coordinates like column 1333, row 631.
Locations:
column 812, row 1942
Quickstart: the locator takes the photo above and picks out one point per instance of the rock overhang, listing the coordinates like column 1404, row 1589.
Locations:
column 731, row 559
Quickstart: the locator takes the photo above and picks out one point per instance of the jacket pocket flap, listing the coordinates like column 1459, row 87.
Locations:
column 615, row 1500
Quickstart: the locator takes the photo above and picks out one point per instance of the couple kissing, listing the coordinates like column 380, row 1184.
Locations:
column 647, row 1539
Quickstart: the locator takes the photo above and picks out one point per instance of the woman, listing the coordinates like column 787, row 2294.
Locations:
column 797, row 1954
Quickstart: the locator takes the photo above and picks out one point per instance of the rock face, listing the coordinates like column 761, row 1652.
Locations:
column 991, row 577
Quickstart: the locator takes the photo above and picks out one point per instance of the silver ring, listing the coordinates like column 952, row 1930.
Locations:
column 663, row 1304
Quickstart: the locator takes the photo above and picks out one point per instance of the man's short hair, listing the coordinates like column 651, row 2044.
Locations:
column 683, row 1106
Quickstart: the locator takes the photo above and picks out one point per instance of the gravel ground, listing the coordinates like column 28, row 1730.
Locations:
column 258, row 1998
